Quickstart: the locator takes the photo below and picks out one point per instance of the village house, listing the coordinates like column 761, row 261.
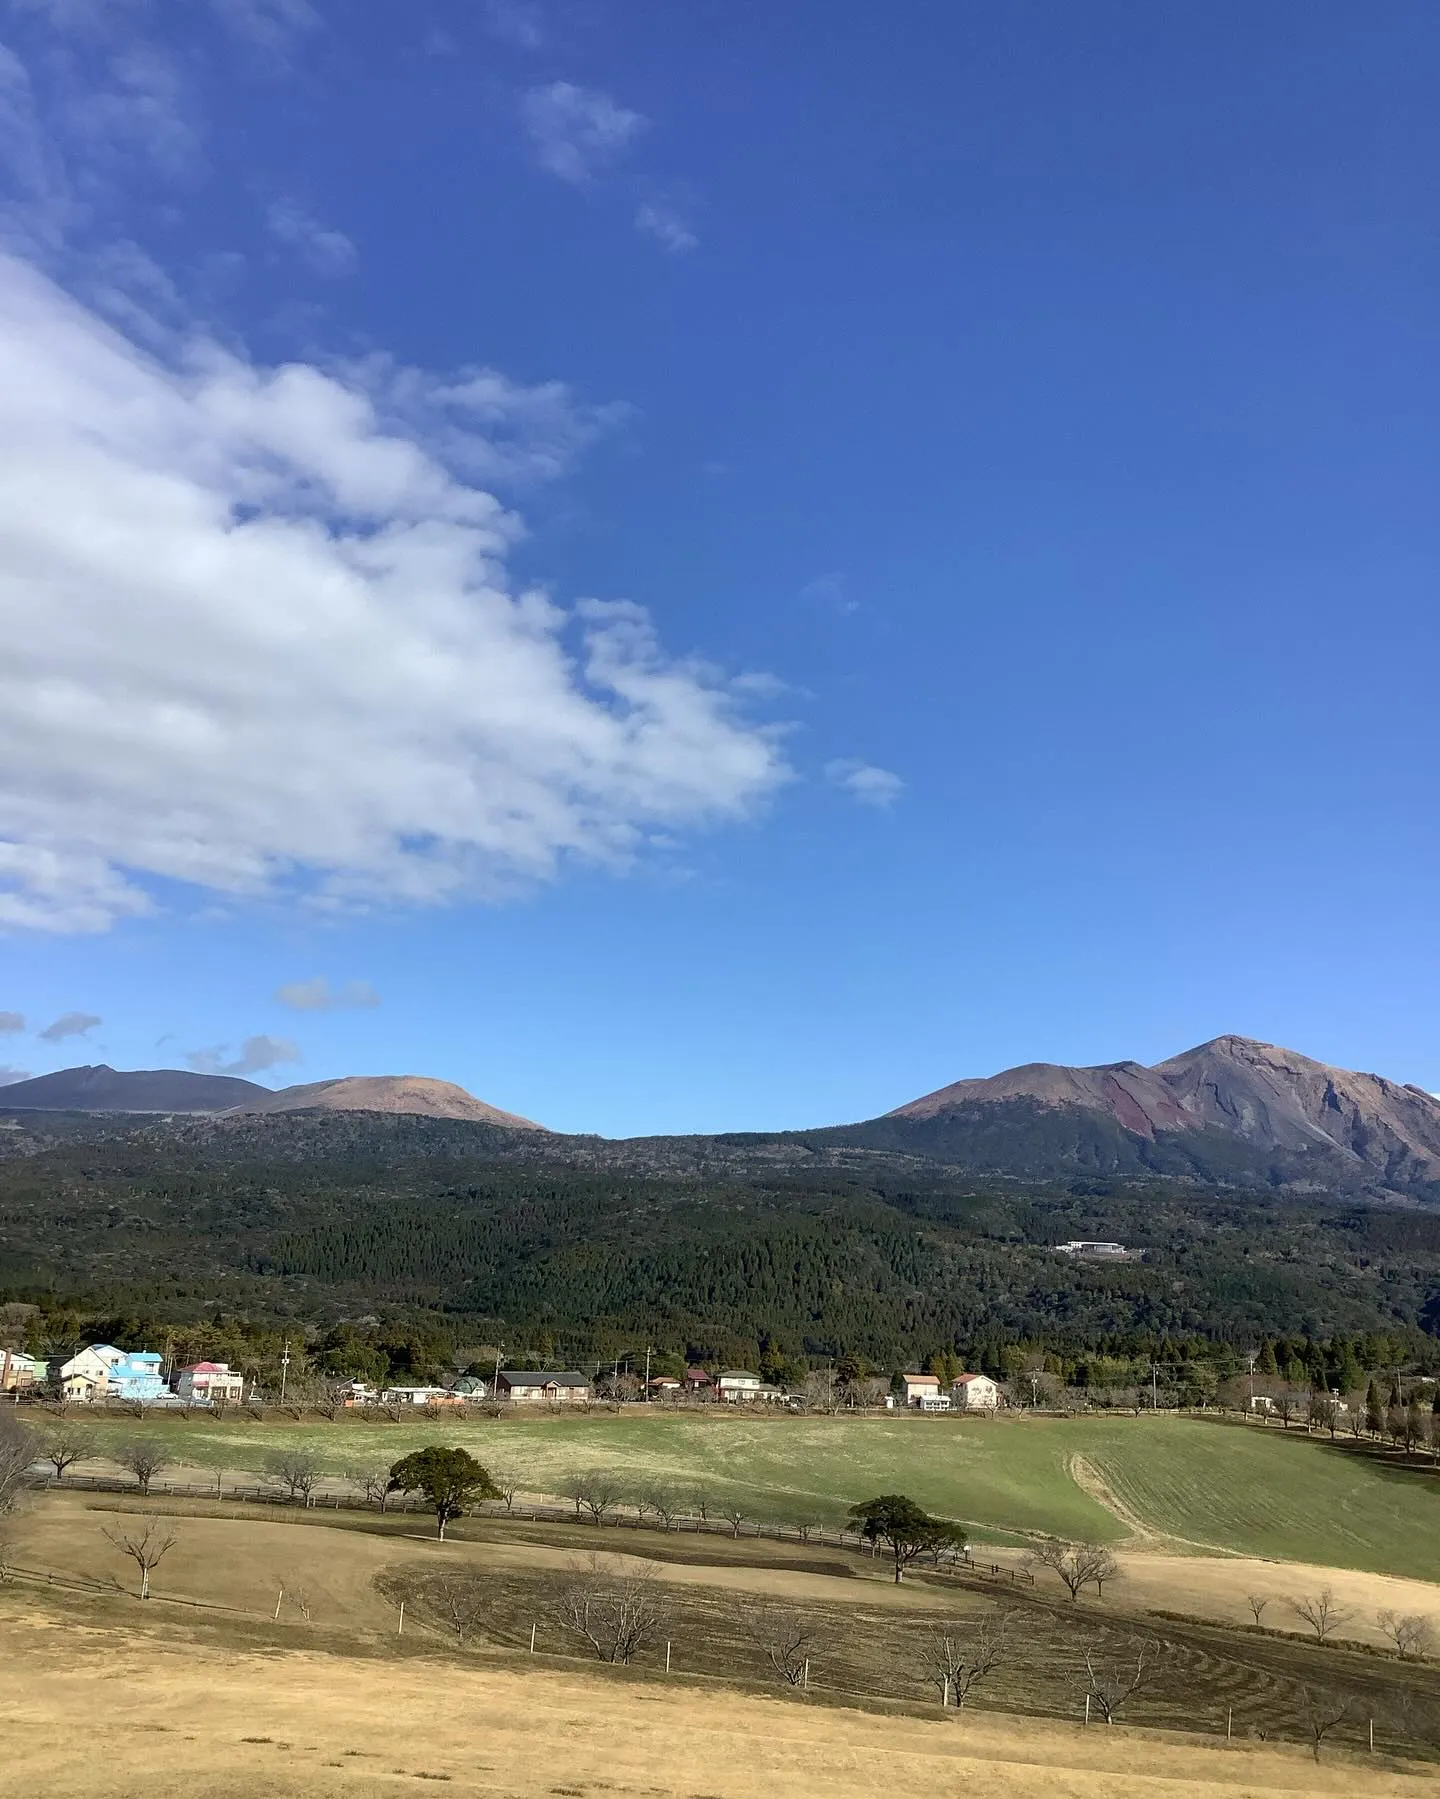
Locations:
column 975, row 1393
column 138, row 1378
column 417, row 1396
column 738, row 1386
column 209, row 1383
column 19, row 1371
column 86, row 1376
column 665, row 1385
column 933, row 1402
column 470, row 1388
column 917, row 1387
column 698, row 1383
column 535, row 1387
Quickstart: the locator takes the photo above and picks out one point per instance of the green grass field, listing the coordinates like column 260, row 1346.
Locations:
column 1255, row 1491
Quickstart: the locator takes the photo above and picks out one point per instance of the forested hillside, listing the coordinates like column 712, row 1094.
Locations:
column 699, row 1245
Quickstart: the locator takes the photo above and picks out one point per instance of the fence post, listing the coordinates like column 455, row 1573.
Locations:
column 401, row 1631
column 1087, row 1708
column 667, row 1655
column 805, row 1677
column 1229, row 1721
column 532, row 1639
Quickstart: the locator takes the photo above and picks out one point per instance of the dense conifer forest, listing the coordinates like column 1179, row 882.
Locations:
column 787, row 1249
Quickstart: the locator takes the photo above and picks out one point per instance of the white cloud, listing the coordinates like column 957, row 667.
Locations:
column 259, row 638
column 576, row 132
column 272, row 25
column 256, row 1055
column 865, row 782
column 318, row 995
column 69, row 1024
column 141, row 109
column 11, row 1023
column 327, row 252
column 9, row 1075
column 664, row 221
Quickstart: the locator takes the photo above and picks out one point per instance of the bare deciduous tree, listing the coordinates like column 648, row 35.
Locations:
column 373, row 1480
column 66, row 1444
column 19, row 1448
column 1077, row 1564
column 1111, row 1681
column 460, row 1602
column 1320, row 1713
column 144, row 1458
column 616, row 1614
column 295, row 1469
column 664, row 1501
column 1321, row 1613
column 147, row 1544
column 1412, row 1633
column 733, row 1515
column 597, row 1495
column 506, row 1483
column 959, row 1656
column 1257, row 1603
column 786, row 1639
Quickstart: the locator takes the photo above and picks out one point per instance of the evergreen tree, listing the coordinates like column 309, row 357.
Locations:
column 1374, row 1409
column 1267, row 1363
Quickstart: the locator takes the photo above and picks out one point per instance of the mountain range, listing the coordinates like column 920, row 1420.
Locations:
column 1231, row 1111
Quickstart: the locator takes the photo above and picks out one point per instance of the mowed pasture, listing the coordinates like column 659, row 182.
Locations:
column 1190, row 1484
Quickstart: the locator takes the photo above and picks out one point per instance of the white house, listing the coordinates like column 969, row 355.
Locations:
column 975, row 1393
column 415, row 1396
column 86, row 1376
column 919, row 1386
column 737, row 1386
column 205, row 1383
column 933, row 1402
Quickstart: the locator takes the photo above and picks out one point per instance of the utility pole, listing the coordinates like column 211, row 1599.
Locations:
column 647, row 1375
column 284, row 1368
column 1154, row 1386
column 495, row 1385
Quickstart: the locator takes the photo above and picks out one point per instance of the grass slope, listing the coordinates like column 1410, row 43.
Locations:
column 1254, row 1491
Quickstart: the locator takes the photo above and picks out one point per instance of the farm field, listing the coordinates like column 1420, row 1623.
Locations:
column 1185, row 1484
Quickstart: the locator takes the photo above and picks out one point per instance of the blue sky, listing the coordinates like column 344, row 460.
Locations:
column 693, row 567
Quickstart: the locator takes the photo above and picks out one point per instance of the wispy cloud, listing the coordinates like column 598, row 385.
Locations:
column 664, row 221
column 578, row 132
column 865, row 782
column 517, row 22
column 11, row 1023
column 9, row 1075
column 256, row 1055
column 326, row 251
column 318, row 995
column 829, row 590
column 69, row 1024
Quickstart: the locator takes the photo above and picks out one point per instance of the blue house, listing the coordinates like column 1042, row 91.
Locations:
column 136, row 1376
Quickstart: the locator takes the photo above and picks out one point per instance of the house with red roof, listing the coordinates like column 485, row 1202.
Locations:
column 203, row 1383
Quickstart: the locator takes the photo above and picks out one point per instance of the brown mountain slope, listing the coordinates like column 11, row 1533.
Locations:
column 1270, row 1098
column 408, row 1093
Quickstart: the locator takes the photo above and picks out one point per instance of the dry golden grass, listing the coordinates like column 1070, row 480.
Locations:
column 92, row 1714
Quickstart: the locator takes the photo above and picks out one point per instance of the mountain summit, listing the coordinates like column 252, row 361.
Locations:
column 413, row 1094
column 1268, row 1101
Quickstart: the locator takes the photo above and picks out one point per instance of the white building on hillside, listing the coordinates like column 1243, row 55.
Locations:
column 975, row 1393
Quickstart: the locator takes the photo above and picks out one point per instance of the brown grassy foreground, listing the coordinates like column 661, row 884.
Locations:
column 115, row 1713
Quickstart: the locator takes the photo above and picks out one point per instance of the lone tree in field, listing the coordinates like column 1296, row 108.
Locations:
column 144, row 1458
column 1077, row 1564
column 373, row 1480
column 1257, row 1603
column 906, row 1527
column 19, row 1447
column 615, row 1614
column 1110, row 1681
column 957, row 1658
column 451, row 1480
column 1320, row 1713
column 147, row 1545
column 1412, row 1633
column 784, row 1637
column 66, row 1444
column 1321, row 1613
